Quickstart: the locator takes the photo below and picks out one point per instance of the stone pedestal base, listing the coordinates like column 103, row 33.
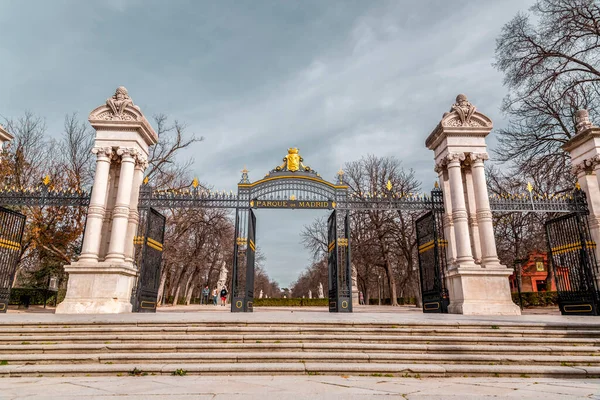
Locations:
column 476, row 290
column 98, row 288
column 355, row 299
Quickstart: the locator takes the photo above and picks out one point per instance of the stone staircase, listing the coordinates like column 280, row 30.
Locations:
column 151, row 345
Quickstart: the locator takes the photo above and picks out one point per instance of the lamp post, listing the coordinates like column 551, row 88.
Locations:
column 518, row 270
column 379, row 288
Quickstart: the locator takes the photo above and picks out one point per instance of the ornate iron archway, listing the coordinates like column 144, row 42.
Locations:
column 292, row 185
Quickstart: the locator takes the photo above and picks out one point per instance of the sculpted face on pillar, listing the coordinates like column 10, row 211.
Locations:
column 464, row 109
column 118, row 103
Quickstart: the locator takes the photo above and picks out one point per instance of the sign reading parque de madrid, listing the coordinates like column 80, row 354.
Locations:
column 292, row 204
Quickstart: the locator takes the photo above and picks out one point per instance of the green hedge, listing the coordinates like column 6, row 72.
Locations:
column 36, row 296
column 387, row 302
column 291, row 302
column 536, row 299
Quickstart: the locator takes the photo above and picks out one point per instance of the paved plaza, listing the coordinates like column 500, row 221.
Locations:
column 294, row 387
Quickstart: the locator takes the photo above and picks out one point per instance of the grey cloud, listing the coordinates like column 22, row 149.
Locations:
column 338, row 79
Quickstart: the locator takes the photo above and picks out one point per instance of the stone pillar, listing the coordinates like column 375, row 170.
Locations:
column 476, row 286
column 91, row 238
column 459, row 209
column 472, row 215
column 120, row 214
column 134, row 215
column 584, row 149
column 489, row 255
column 102, row 279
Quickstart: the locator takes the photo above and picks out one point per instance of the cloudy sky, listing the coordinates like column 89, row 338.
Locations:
column 338, row 79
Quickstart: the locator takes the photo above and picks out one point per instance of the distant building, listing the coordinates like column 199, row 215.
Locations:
column 534, row 274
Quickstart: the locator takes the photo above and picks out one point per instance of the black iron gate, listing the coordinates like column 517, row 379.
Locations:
column 575, row 266
column 243, row 300
column 338, row 261
column 11, row 231
column 149, row 272
column 432, row 262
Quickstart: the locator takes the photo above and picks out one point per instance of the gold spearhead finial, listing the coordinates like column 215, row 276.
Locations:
column 388, row 185
column 436, row 185
column 195, row 183
column 341, row 172
column 529, row 187
column 577, row 186
column 46, row 180
column 245, row 170
column 146, row 180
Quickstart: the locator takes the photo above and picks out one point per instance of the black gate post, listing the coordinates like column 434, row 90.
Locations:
column 234, row 277
column 149, row 274
column 242, row 300
column 11, row 232
column 432, row 256
column 332, row 262
column 573, row 258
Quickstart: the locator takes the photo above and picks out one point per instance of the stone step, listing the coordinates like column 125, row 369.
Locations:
column 182, row 330
column 298, row 356
column 306, row 368
column 294, row 337
column 203, row 347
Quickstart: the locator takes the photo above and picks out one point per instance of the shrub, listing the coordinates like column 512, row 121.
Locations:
column 536, row 299
column 294, row 302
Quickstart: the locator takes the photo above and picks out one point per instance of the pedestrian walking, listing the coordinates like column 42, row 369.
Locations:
column 205, row 293
column 361, row 299
column 223, row 296
column 215, row 294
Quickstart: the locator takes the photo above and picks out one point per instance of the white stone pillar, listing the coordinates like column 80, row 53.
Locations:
column 102, row 279
column 473, row 289
column 459, row 209
column 134, row 215
column 448, row 222
column 472, row 215
column 97, row 207
column 489, row 255
column 120, row 214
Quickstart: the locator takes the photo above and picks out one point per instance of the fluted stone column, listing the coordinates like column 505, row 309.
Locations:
column 476, row 286
column 489, row 255
column 459, row 209
column 97, row 208
column 120, row 214
column 447, row 218
column 134, row 215
column 102, row 279
column 472, row 215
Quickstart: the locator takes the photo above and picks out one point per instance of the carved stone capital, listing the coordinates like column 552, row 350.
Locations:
column 477, row 158
column 586, row 166
column 454, row 158
column 128, row 154
column 141, row 162
column 106, row 152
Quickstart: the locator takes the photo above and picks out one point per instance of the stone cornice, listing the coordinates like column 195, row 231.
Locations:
column 581, row 137
column 479, row 126
column 4, row 135
column 120, row 114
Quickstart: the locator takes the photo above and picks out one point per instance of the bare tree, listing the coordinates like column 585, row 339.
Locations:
column 550, row 68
